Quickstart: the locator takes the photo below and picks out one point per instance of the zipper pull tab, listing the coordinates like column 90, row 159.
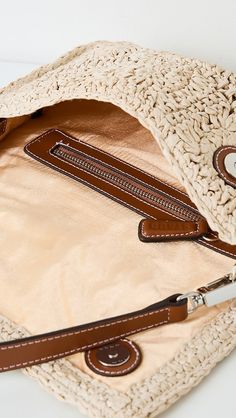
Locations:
column 218, row 291
column 152, row 230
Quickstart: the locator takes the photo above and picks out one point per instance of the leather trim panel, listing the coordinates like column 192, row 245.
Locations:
column 120, row 181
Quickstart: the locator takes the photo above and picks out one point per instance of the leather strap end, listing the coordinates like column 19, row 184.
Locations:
column 171, row 230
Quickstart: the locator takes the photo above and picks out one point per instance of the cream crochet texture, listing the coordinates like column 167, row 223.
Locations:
column 188, row 105
column 149, row 398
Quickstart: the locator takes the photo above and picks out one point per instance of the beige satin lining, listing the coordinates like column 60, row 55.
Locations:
column 70, row 255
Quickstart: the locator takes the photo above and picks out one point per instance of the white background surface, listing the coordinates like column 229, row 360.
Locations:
column 36, row 32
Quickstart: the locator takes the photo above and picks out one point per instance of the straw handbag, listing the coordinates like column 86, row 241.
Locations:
column 117, row 209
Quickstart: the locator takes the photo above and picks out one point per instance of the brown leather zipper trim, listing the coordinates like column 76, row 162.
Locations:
column 171, row 203
column 118, row 180
column 124, row 182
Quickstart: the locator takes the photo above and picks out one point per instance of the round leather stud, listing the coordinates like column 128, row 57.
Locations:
column 230, row 164
column 224, row 161
column 115, row 359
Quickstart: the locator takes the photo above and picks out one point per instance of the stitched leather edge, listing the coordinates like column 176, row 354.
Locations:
column 123, row 370
column 219, row 246
column 156, row 236
column 28, row 350
column 218, row 162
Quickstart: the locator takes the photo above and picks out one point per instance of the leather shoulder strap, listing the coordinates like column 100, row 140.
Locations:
column 54, row 345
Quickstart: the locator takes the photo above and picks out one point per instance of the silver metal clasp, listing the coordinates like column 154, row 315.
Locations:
column 218, row 291
column 195, row 300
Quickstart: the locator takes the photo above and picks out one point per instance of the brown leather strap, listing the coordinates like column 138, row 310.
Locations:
column 54, row 345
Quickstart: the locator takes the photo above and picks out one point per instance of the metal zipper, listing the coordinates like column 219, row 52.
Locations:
column 123, row 181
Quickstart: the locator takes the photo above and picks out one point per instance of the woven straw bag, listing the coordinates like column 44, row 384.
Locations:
column 109, row 134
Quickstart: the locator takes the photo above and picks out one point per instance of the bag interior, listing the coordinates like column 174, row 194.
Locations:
column 70, row 255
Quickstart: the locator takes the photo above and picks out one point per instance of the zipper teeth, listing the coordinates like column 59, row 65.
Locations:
column 88, row 165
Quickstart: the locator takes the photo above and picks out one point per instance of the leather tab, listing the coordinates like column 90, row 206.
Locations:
column 158, row 230
column 116, row 359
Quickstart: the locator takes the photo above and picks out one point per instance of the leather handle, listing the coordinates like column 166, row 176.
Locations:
column 42, row 348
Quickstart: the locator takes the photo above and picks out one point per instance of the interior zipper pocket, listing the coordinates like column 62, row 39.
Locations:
column 149, row 196
column 129, row 186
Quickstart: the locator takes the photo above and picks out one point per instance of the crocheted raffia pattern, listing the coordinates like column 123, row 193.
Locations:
column 144, row 399
column 188, row 105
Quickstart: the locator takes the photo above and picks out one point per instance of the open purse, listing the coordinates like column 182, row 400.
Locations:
column 118, row 226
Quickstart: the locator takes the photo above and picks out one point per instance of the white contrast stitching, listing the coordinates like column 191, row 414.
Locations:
column 207, row 244
column 112, row 167
column 130, row 165
column 86, row 330
column 218, row 167
column 168, row 235
column 117, row 159
column 85, row 347
column 127, row 204
column 137, row 358
column 76, row 177
column 141, row 171
column 117, row 187
column 95, row 187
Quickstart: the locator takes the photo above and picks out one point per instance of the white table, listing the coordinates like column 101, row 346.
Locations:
column 23, row 397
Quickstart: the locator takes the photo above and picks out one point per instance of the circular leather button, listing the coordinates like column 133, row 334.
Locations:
column 224, row 161
column 113, row 355
column 230, row 163
column 115, row 359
